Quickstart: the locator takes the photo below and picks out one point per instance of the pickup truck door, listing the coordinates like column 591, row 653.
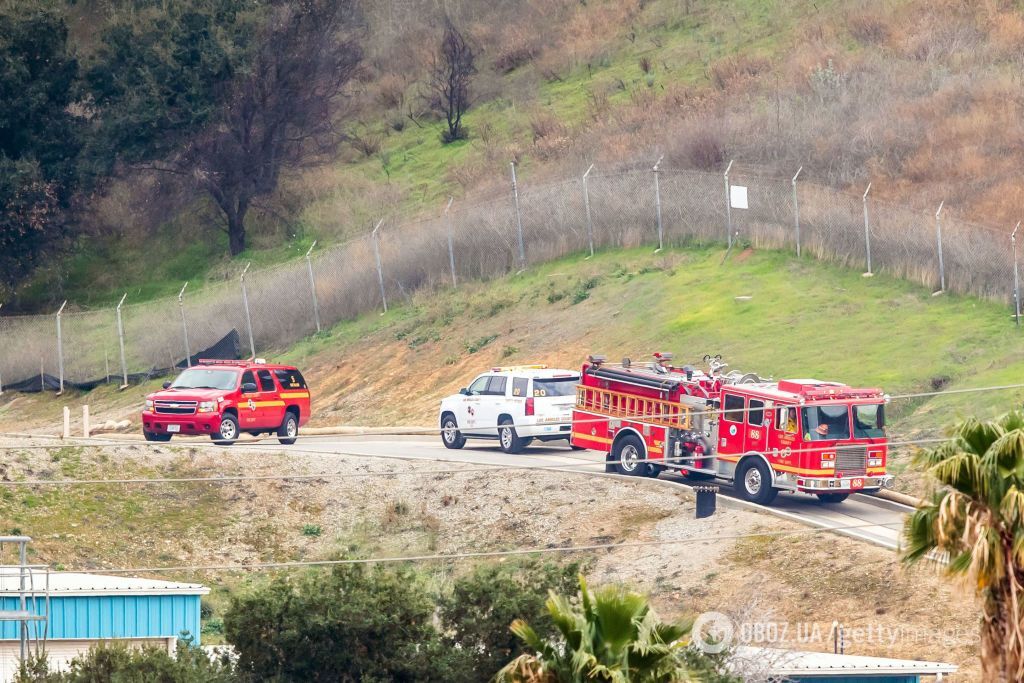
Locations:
column 468, row 411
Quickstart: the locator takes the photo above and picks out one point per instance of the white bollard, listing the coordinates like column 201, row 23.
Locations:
column 67, row 423
column 85, row 420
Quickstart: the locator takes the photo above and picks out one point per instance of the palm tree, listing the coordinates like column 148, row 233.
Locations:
column 609, row 636
column 975, row 522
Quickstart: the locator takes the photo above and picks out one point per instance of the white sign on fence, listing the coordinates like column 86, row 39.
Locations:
column 738, row 196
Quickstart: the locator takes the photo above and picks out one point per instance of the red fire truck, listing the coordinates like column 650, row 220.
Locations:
column 823, row 438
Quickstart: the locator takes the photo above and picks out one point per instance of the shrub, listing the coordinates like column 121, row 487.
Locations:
column 476, row 345
column 738, row 67
column 867, row 28
column 645, row 64
column 312, row 530
column 704, row 150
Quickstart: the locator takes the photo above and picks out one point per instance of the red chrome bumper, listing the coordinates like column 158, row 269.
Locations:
column 198, row 423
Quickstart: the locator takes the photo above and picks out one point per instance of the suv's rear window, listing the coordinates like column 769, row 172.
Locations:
column 290, row 379
column 558, row 386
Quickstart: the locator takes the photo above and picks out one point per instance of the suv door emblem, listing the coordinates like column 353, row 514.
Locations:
column 252, row 405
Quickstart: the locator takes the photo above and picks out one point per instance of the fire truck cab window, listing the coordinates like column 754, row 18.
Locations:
column 755, row 416
column 826, row 423
column 520, row 385
column 266, row 381
column 733, row 409
column 479, row 386
column 869, row 421
column 496, row 387
column 787, row 419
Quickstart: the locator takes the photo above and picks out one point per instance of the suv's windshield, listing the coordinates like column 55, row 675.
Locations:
column 206, row 378
column 826, row 423
column 869, row 421
column 556, row 386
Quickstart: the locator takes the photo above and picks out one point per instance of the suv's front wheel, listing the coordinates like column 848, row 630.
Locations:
column 451, row 437
column 510, row 441
column 228, row 432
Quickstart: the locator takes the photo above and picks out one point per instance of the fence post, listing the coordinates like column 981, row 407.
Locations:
column 312, row 286
column 184, row 326
column 1016, row 276
column 380, row 266
column 519, row 219
column 867, row 230
column 796, row 211
column 657, row 204
column 60, row 348
column 245, row 304
column 451, row 246
column 938, row 239
column 120, row 341
column 728, row 205
column 586, row 206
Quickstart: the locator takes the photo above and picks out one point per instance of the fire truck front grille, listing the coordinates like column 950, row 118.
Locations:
column 175, row 407
column 851, row 460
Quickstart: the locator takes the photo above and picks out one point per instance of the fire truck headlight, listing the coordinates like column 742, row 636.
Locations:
column 149, row 404
column 207, row 406
column 828, row 464
column 874, row 462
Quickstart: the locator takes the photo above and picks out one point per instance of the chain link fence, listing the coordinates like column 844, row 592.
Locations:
column 274, row 307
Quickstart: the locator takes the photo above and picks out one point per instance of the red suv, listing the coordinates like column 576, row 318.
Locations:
column 225, row 398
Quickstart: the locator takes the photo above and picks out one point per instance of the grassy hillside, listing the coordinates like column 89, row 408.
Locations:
column 802, row 319
column 852, row 92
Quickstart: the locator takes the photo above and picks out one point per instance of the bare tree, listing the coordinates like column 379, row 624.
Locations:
column 451, row 70
column 280, row 114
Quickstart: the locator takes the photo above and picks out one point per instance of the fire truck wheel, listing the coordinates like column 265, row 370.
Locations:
column 451, row 437
column 510, row 441
column 754, row 482
column 833, row 497
column 627, row 454
column 289, row 429
column 228, row 432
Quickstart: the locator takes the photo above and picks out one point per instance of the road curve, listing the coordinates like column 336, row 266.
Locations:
column 885, row 518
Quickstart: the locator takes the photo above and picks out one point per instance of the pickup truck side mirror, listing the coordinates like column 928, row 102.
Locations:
column 167, row 384
column 464, row 391
column 249, row 388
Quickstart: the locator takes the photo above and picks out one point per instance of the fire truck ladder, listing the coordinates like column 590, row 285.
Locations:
column 25, row 598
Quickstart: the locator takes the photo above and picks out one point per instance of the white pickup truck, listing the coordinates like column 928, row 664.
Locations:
column 514, row 405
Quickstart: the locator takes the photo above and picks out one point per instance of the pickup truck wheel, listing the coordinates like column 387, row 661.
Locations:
column 228, row 432
column 754, row 482
column 289, row 429
column 509, row 439
column 832, row 497
column 628, row 454
column 153, row 436
column 451, row 437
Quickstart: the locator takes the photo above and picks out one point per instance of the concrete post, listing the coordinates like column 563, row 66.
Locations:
column 85, row 420
column 66, row 434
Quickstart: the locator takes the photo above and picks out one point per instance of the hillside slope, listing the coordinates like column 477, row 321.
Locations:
column 763, row 311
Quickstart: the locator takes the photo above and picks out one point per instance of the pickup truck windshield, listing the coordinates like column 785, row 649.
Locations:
column 204, row 378
column 559, row 386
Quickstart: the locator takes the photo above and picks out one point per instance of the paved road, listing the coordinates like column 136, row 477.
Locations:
column 857, row 510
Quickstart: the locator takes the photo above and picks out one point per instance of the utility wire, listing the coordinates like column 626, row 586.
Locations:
column 483, row 554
